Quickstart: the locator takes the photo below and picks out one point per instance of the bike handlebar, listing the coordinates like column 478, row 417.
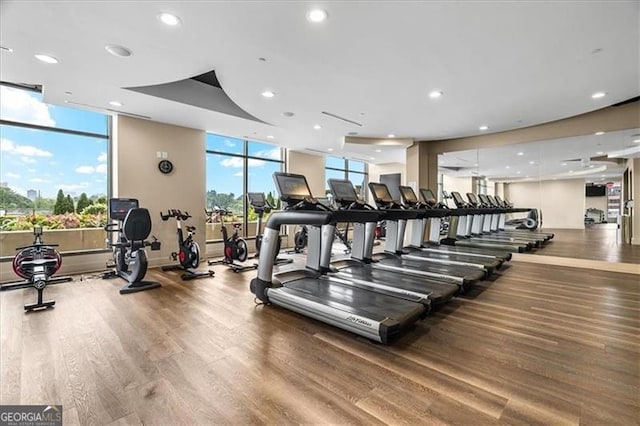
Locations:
column 179, row 215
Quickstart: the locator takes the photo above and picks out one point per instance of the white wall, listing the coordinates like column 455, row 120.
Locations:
column 459, row 184
column 562, row 201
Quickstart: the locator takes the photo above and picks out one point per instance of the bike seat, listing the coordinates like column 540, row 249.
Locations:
column 191, row 228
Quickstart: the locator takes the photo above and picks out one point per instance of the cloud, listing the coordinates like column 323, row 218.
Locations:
column 32, row 170
column 73, row 186
column 102, row 158
column 22, row 106
column 11, row 147
column 101, row 168
column 238, row 174
column 228, row 143
column 272, row 154
column 237, row 162
column 38, row 180
column 232, row 162
column 85, row 170
column 28, row 160
column 12, row 175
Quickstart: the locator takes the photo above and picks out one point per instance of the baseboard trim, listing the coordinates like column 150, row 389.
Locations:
column 624, row 268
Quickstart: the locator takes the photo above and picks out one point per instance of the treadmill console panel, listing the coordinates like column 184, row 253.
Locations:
column 292, row 188
column 408, row 196
column 343, row 191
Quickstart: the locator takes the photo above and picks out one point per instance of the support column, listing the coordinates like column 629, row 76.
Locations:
column 422, row 167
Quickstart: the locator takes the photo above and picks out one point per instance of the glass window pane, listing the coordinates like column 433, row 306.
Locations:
column 334, row 162
column 26, row 106
column 356, row 166
column 42, row 162
column 359, row 181
column 331, row 174
column 224, row 183
column 260, row 177
column 263, row 150
column 224, row 144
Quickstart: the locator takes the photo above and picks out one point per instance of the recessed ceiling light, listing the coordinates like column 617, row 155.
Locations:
column 484, row 127
column 378, row 150
column 68, row 93
column 598, row 95
column 317, row 15
column 599, row 153
column 329, row 149
column 115, row 103
column 268, row 94
column 570, row 171
column 591, row 166
column 391, row 135
column 270, row 137
column 599, row 133
column 435, row 94
column 169, row 19
column 564, row 164
column 521, row 153
column 636, row 141
column 507, row 167
column 261, row 59
column 117, row 50
column 518, row 172
column 6, row 49
column 46, row 58
column 288, row 114
column 317, row 127
column 532, row 162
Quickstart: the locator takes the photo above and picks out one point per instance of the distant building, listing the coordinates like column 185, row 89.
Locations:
column 32, row 194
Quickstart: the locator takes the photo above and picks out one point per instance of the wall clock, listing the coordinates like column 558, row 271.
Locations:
column 165, row 166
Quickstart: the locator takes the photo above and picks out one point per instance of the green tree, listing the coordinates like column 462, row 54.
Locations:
column 69, row 207
column 102, row 200
column 11, row 200
column 44, row 204
column 83, row 202
column 60, row 206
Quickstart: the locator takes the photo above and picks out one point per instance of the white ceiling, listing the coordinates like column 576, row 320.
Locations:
column 503, row 64
column 581, row 157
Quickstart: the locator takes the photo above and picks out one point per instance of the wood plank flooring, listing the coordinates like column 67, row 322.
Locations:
column 537, row 344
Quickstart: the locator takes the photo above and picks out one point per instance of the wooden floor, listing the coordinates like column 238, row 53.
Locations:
column 539, row 344
column 598, row 242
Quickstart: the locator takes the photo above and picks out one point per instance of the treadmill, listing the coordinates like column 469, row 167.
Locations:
column 396, row 258
column 460, row 230
column 485, row 225
column 497, row 202
column 376, row 316
column 361, row 266
column 433, row 235
column 418, row 227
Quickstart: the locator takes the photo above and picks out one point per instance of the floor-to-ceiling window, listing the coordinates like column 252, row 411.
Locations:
column 235, row 167
column 342, row 168
column 53, row 167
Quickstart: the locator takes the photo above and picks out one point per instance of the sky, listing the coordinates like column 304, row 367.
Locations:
column 47, row 161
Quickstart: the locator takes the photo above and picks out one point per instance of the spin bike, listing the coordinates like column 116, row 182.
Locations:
column 188, row 254
column 36, row 264
column 129, row 258
column 235, row 247
column 260, row 205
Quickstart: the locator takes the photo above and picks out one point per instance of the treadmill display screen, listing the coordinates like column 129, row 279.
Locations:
column 381, row 192
column 408, row 195
column 119, row 207
column 292, row 187
column 256, row 199
column 484, row 199
column 343, row 190
column 472, row 198
column 492, row 200
column 428, row 196
column 457, row 198
column 499, row 200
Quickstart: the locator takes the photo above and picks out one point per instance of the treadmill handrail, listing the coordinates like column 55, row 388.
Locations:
column 304, row 217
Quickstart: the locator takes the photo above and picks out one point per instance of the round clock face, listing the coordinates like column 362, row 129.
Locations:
column 165, row 166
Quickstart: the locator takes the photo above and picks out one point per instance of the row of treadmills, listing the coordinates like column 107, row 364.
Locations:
column 379, row 295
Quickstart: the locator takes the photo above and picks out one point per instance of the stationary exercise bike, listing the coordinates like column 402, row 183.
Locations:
column 188, row 254
column 36, row 264
column 261, row 205
column 235, row 247
column 129, row 258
